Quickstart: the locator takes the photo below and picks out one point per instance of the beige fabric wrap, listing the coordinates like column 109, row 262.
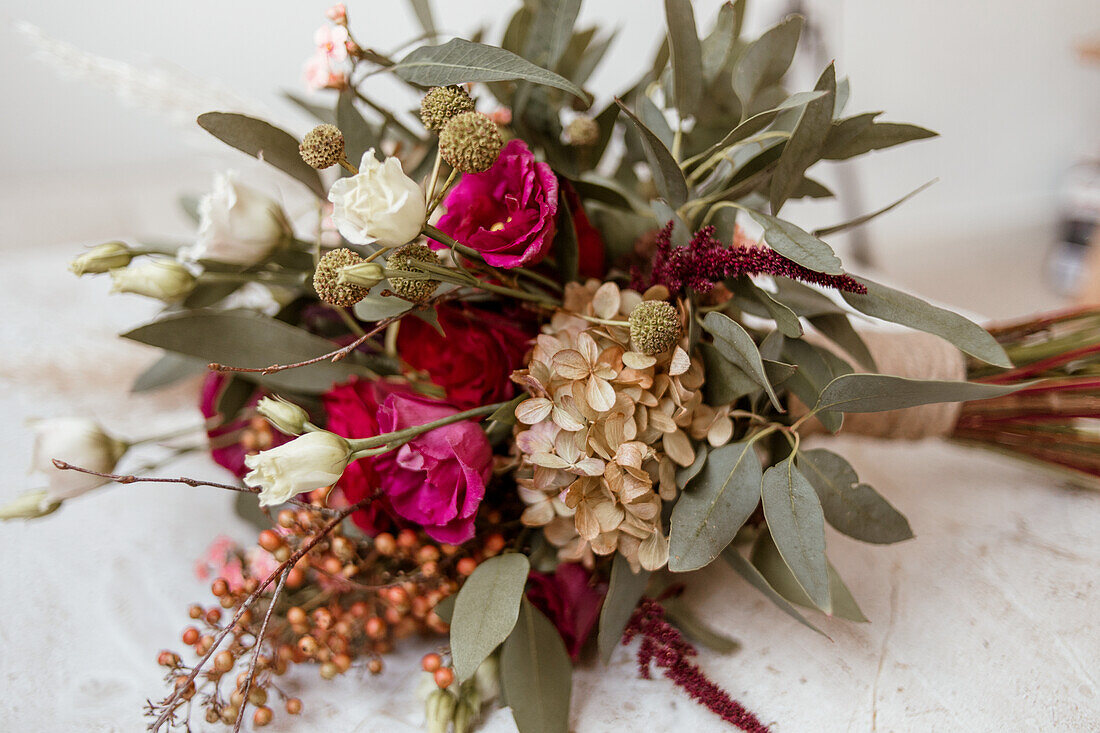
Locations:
column 910, row 354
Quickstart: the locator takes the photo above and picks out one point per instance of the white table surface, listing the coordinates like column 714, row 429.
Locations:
column 988, row 621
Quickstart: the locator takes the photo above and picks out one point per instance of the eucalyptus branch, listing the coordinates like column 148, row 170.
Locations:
column 256, row 650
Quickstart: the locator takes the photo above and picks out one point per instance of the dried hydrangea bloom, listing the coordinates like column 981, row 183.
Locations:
column 605, row 427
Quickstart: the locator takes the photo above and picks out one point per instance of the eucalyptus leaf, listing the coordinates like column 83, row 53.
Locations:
column 726, row 382
column 837, row 327
column 767, row 559
column 359, row 136
column 797, row 525
column 423, row 11
column 797, row 244
column 760, row 120
column 249, row 339
column 813, row 375
column 687, row 56
column 685, row 475
column 654, row 119
column 853, row 508
column 551, row 31
column 707, row 516
column 785, row 319
column 717, row 47
column 667, row 174
column 168, row 369
column 264, row 141
column 843, row 132
column 565, row 246
column 809, row 188
column 536, row 675
column 378, row 307
column 876, row 137
column 624, row 591
column 445, row 609
column 749, row 572
column 233, row 397
column 861, row 220
column 880, row 392
column 804, row 300
column 459, row 61
column 486, row 610
column 767, row 59
column 683, row 618
column 804, row 147
column 737, row 346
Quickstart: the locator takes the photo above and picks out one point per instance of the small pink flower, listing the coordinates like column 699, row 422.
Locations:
column 501, row 115
column 221, row 561
column 338, row 14
column 332, row 42
column 319, row 73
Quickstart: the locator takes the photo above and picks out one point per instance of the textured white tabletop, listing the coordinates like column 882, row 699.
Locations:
column 988, row 621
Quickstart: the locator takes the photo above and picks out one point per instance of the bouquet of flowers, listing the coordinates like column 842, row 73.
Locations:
column 515, row 369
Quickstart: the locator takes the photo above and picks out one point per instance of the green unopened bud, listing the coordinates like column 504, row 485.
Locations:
column 464, row 716
column 583, row 131
column 470, row 142
column 365, row 275
column 322, row 147
column 29, row 505
column 440, row 104
column 287, row 417
column 405, row 259
column 165, row 280
column 102, row 258
column 439, row 711
column 654, row 326
column 326, row 280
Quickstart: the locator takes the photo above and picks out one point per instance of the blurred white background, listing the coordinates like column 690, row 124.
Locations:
column 999, row 80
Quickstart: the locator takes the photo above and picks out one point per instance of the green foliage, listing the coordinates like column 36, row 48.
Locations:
column 486, row 610
column 536, row 675
column 262, row 140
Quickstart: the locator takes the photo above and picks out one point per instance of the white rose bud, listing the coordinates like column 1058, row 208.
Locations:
column 102, row 258
column 287, row 417
column 29, row 505
column 312, row 461
column 237, row 225
column 165, row 280
column 379, row 205
column 79, row 441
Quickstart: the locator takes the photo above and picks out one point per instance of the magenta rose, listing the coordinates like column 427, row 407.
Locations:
column 506, row 213
column 436, row 480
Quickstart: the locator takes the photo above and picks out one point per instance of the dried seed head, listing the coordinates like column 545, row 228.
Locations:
column 470, row 142
column 327, row 283
column 406, row 258
column 654, row 326
column 583, row 131
column 323, row 146
column 440, row 104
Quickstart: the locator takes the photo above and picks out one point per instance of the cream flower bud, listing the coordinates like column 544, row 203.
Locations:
column 102, row 258
column 439, row 711
column 309, row 462
column 79, row 441
column 29, row 505
column 364, row 274
column 237, row 225
column 165, row 280
column 286, row 416
column 378, row 205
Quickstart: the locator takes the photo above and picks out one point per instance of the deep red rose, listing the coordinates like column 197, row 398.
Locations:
column 475, row 357
column 570, row 600
column 590, row 246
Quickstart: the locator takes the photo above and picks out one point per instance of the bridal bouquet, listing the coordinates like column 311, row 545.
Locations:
column 518, row 365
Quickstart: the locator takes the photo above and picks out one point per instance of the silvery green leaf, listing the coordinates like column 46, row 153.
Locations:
column 687, row 56
column 861, row 220
column 853, row 508
column 486, row 610
column 717, row 47
column 779, row 372
column 359, row 136
column 843, row 91
column 797, row 525
column 687, row 473
column 880, row 392
column 843, row 132
column 878, row 136
column 749, row 572
column 837, row 327
column 536, row 675
column 813, row 375
column 681, row 616
column 624, row 591
column 565, row 247
column 785, row 319
column 737, row 346
column 725, row 382
column 767, row 59
column 376, row 307
column 898, row 307
column 664, row 213
column 809, row 188
column 760, row 120
column 168, row 369
column 707, row 516
column 551, row 31
column 264, row 141
column 667, row 174
column 804, row 300
column 654, row 119
column 803, row 149
column 423, row 11
column 459, row 61
column 766, row 558
column 591, row 59
column 797, row 244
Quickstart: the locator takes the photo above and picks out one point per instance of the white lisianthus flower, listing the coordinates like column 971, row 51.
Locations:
column 312, row 461
column 102, row 258
column 237, row 225
column 29, row 505
column 165, row 280
column 79, row 441
column 379, row 205
column 287, row 417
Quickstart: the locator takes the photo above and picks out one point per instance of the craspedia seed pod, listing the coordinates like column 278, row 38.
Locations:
column 327, row 283
column 582, row 132
column 405, row 258
column 440, row 104
column 322, row 147
column 654, row 327
column 470, row 142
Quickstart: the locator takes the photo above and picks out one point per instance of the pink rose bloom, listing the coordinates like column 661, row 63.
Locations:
column 506, row 213
column 571, row 600
column 436, row 480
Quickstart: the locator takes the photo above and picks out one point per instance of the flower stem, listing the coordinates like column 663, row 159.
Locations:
column 361, row 446
column 473, row 254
